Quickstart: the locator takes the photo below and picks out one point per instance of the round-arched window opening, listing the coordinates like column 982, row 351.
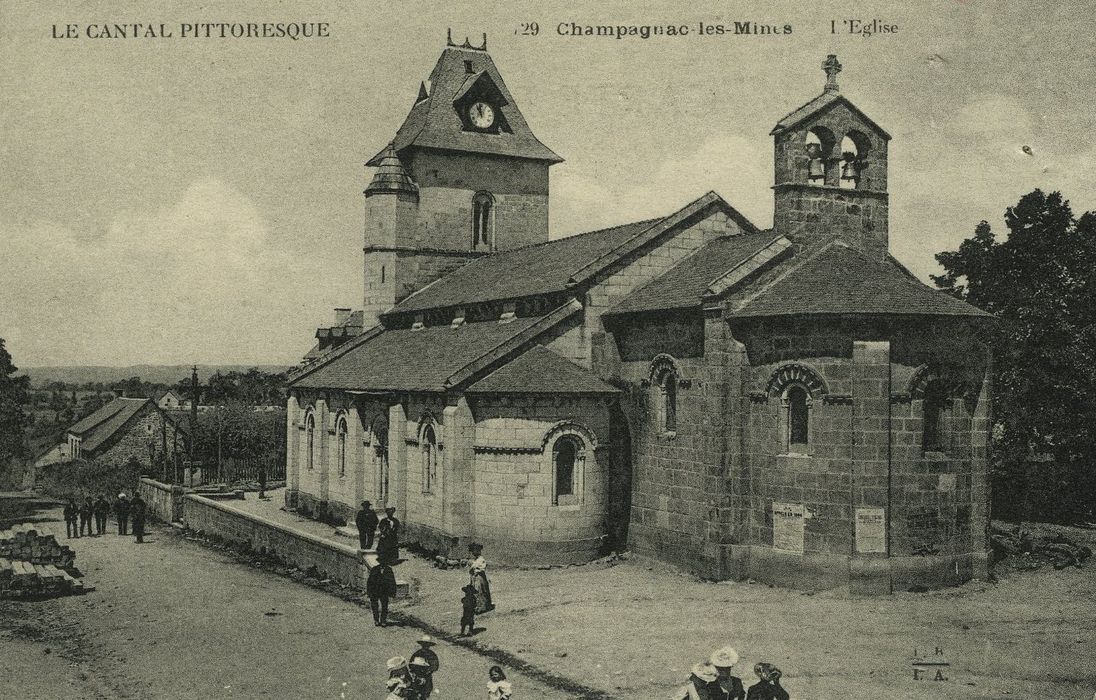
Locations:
column 854, row 150
column 429, row 447
column 567, row 456
column 483, row 221
column 934, row 407
column 310, row 439
column 798, row 419
column 340, row 437
column 819, row 146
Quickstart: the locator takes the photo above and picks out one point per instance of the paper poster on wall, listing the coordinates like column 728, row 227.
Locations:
column 871, row 531
column 788, row 527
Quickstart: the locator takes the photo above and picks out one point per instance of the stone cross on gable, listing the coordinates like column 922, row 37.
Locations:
column 832, row 67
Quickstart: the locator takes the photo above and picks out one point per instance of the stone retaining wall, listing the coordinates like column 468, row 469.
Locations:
column 332, row 560
column 165, row 501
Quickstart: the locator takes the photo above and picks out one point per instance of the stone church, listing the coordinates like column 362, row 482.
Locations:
column 788, row 404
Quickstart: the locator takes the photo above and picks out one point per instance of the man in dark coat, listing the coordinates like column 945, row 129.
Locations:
column 72, row 512
column 121, row 512
column 388, row 537
column 366, row 520
column 87, row 510
column 137, row 512
column 102, row 510
column 380, row 587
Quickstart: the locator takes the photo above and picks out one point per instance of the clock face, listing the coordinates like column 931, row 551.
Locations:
column 481, row 115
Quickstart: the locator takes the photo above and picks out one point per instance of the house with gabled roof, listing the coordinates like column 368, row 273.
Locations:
column 788, row 404
column 125, row 429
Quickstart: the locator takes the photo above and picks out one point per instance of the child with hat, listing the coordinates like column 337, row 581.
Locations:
column 768, row 687
column 422, row 678
column 726, row 686
column 698, row 686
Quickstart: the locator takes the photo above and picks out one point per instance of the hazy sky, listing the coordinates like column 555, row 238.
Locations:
column 199, row 200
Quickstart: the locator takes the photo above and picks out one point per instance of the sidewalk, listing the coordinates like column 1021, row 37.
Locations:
column 634, row 629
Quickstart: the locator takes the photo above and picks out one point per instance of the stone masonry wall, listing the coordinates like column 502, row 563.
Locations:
column 141, row 439
column 648, row 265
column 165, row 501
column 514, row 509
column 680, row 501
column 333, row 560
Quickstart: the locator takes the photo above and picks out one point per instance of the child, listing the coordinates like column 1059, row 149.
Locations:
column 498, row 688
column 468, row 603
column 71, row 513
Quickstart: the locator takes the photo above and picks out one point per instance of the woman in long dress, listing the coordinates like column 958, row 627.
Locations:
column 477, row 571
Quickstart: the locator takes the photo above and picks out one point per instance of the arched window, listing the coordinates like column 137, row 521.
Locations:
column 567, row 461
column 668, row 401
column 310, row 437
column 379, row 433
column 428, row 444
column 934, row 405
column 854, row 148
column 483, row 221
column 799, row 418
column 340, row 439
column 819, row 145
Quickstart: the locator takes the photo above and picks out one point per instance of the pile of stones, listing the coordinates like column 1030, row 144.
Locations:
column 34, row 565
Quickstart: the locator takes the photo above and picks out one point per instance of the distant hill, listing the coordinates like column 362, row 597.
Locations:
column 156, row 374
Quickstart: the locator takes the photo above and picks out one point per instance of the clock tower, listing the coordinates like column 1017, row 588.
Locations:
column 463, row 177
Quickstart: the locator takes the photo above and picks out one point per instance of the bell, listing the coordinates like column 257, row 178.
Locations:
column 850, row 170
column 816, row 170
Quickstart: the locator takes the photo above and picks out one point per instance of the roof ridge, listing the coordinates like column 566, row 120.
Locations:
column 790, row 271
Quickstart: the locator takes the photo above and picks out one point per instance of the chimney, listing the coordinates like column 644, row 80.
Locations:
column 341, row 316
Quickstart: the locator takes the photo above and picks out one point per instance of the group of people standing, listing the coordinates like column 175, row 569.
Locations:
column 386, row 532
column 714, row 679
column 413, row 679
column 91, row 516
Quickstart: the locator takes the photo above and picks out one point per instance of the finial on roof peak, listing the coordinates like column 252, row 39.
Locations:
column 832, row 67
column 467, row 44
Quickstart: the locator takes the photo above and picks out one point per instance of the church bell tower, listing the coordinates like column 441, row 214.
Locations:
column 831, row 172
column 464, row 177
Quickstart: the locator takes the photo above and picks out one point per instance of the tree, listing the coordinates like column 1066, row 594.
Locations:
column 13, row 420
column 1040, row 283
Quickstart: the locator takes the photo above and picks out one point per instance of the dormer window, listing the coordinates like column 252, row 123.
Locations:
column 468, row 68
column 483, row 221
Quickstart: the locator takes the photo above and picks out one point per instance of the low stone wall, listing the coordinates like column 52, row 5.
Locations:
column 333, row 560
column 165, row 501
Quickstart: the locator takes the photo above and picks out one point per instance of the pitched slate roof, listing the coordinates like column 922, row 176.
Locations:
column 818, row 104
column 683, row 285
column 100, row 426
column 434, row 122
column 841, row 280
column 411, row 360
column 543, row 268
column 541, row 371
column 555, row 266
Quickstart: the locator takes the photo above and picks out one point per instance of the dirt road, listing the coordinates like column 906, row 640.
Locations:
column 170, row 619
